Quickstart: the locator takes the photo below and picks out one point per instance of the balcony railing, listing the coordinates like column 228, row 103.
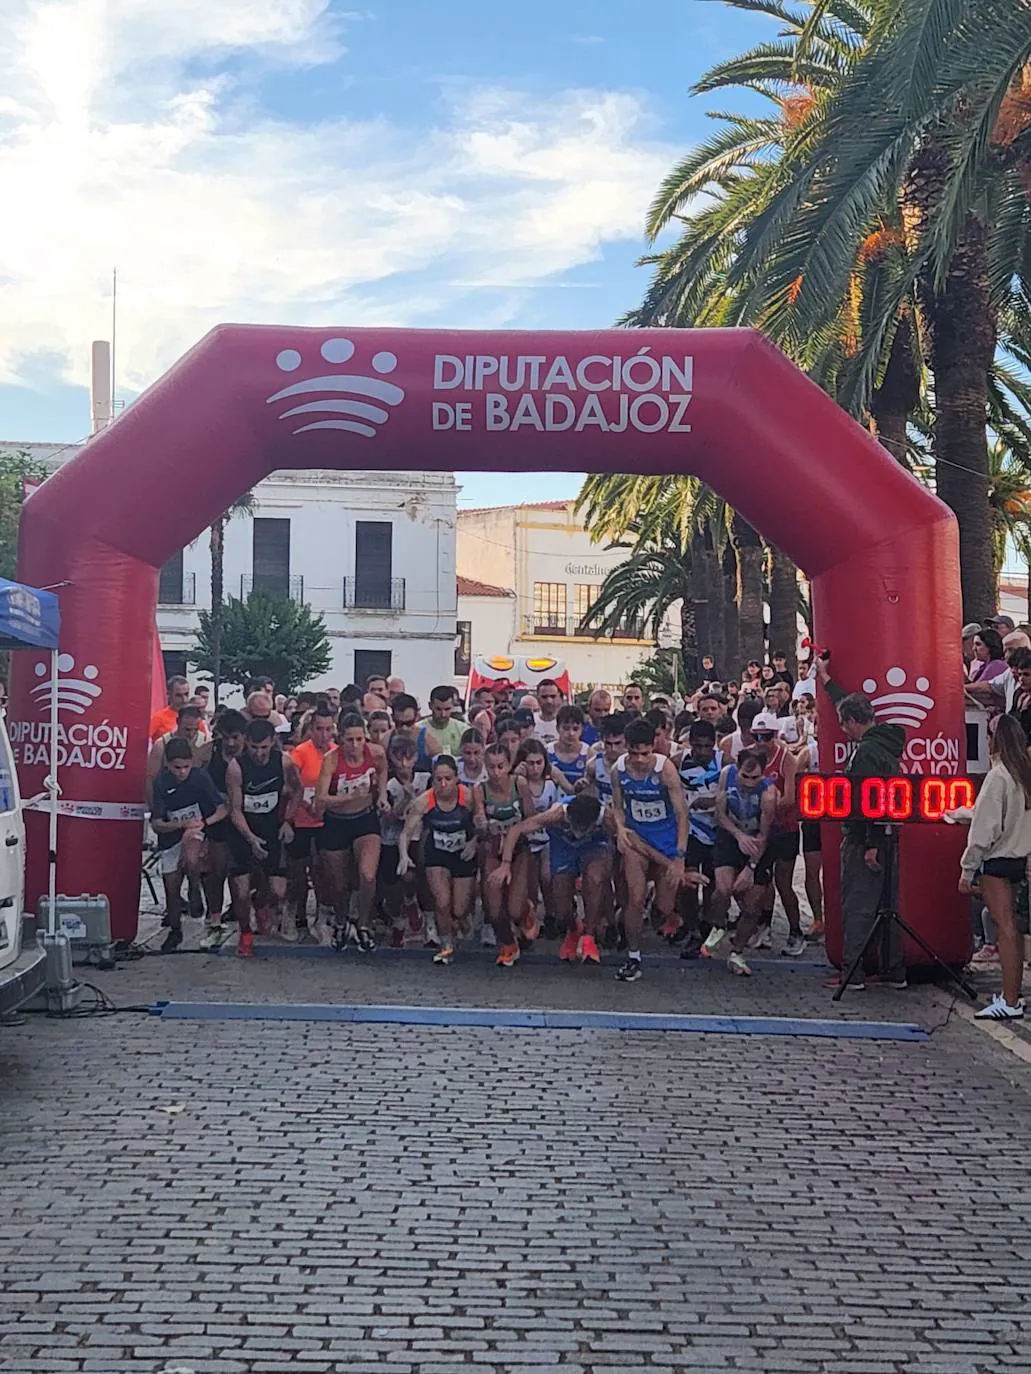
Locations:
column 384, row 596
column 180, row 593
column 283, row 588
column 569, row 627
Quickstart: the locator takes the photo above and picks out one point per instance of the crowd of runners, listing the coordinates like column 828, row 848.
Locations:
column 354, row 818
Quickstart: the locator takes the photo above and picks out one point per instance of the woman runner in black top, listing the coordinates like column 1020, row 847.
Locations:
column 451, row 816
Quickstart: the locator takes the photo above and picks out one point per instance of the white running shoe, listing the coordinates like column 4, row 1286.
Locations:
column 288, row 926
column 737, row 964
column 998, row 1009
column 794, row 947
column 487, row 937
column 712, row 941
column 324, row 927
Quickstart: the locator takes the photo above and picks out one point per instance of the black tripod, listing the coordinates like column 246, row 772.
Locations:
column 886, row 914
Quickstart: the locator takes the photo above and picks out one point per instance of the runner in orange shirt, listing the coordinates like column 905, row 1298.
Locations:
column 301, row 853
column 163, row 722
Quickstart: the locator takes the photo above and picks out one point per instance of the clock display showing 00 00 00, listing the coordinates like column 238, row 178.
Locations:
column 899, row 800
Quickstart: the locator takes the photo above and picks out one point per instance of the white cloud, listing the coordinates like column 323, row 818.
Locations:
column 114, row 151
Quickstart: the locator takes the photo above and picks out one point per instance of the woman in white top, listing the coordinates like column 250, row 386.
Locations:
column 999, row 844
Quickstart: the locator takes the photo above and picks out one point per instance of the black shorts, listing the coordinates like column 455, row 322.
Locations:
column 221, row 832
column 387, row 874
column 1013, row 870
column 340, row 832
column 727, row 854
column 243, row 860
column 304, row 843
column 454, row 863
column 700, row 856
column 781, row 847
column 812, row 837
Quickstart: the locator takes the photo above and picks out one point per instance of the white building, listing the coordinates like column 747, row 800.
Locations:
column 374, row 552
column 538, row 572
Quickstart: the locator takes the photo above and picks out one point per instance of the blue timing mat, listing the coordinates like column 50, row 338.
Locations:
column 533, row 1019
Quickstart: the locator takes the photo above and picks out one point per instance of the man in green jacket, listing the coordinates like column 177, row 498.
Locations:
column 867, row 848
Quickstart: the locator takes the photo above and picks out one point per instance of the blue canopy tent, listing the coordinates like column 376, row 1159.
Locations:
column 31, row 619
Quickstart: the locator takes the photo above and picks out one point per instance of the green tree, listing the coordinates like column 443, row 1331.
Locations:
column 661, row 673
column 265, row 635
column 928, row 133
column 15, row 466
column 244, row 505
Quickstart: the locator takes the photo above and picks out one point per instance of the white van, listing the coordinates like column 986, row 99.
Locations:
column 22, row 971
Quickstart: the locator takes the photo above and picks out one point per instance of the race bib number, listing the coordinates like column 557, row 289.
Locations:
column 262, row 804
column 646, row 811
column 353, row 787
column 309, row 795
column 449, row 841
column 186, row 813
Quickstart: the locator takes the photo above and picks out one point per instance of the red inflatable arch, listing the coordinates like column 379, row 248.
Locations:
column 880, row 550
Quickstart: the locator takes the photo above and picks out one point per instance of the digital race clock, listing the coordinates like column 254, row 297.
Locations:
column 896, row 801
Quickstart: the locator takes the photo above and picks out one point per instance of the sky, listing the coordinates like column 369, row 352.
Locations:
column 312, row 162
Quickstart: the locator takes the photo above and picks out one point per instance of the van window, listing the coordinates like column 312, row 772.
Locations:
column 8, row 779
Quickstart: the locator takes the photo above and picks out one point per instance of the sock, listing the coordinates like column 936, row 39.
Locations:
column 634, row 954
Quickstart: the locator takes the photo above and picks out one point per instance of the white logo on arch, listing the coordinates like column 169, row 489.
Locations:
column 900, row 705
column 75, row 695
column 355, row 403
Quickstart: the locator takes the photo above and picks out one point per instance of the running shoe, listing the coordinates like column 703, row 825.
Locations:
column 987, row 954
column 245, row 948
column 507, row 956
column 738, row 964
column 551, row 928
column 215, row 934
column 264, row 920
column 397, row 937
column 413, row 916
column 854, row 986
column 444, row 955
column 691, row 948
column 816, row 931
column 762, row 939
column 172, row 940
column 364, row 939
column 712, row 942
column 432, row 938
column 589, row 953
column 531, row 927
column 998, row 1009
column 671, row 927
column 488, row 939
column 288, row 927
column 569, row 946
column 794, row 947
column 342, row 935
column 630, row 971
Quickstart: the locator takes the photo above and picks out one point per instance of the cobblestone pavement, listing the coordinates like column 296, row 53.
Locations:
column 304, row 1198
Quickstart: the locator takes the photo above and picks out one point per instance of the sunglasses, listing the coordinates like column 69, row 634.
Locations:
column 763, row 736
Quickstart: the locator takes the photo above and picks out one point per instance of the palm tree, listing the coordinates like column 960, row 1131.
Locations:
column 932, row 121
column 244, row 505
column 684, row 513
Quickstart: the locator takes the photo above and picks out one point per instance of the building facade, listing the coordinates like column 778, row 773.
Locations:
column 373, row 552
column 541, row 554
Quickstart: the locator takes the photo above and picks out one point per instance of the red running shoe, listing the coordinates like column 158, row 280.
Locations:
column 570, row 946
column 264, row 920
column 245, row 949
column 589, row 950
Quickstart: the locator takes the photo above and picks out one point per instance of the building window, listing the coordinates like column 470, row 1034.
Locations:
column 175, row 663
column 370, row 663
column 463, row 648
column 170, row 581
column 549, row 608
column 271, row 557
column 373, row 563
column 584, row 596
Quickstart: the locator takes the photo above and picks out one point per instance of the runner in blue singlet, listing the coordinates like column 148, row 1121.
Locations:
column 652, row 828
column 745, row 809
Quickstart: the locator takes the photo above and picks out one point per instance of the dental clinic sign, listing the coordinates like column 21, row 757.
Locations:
column 537, row 392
